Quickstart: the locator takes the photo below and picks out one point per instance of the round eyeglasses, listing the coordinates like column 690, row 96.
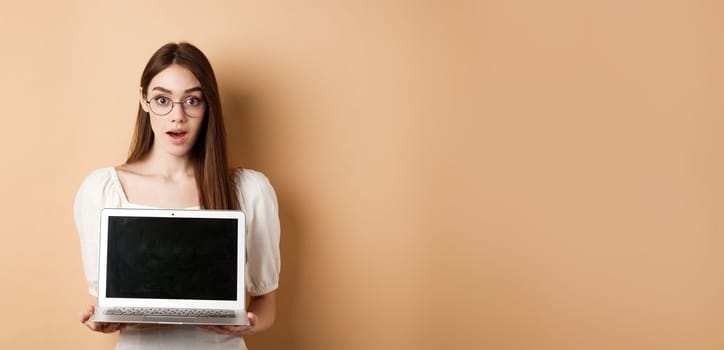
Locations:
column 192, row 106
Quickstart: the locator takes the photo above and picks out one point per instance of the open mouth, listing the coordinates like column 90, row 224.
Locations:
column 177, row 136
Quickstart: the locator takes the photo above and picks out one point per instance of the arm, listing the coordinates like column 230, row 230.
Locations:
column 263, row 307
column 91, row 197
column 263, row 254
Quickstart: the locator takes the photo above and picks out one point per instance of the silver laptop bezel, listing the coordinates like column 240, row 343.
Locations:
column 238, row 304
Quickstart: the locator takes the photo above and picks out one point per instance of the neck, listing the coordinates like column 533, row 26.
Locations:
column 169, row 165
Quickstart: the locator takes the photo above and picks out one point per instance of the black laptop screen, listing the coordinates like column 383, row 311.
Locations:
column 172, row 258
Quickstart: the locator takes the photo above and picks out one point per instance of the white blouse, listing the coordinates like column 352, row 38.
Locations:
column 102, row 189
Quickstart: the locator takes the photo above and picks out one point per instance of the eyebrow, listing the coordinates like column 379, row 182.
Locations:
column 162, row 89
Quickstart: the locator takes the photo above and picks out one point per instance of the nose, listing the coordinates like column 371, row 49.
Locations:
column 177, row 113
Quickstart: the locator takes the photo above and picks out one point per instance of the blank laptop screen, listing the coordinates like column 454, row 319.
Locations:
column 172, row 258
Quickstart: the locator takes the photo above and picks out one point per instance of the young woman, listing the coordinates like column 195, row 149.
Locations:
column 178, row 159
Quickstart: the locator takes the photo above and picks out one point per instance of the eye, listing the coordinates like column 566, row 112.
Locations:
column 193, row 101
column 161, row 100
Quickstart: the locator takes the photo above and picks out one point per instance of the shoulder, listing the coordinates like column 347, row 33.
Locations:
column 100, row 185
column 249, row 178
column 253, row 186
column 99, row 178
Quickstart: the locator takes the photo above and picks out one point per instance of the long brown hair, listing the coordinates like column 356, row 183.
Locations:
column 208, row 155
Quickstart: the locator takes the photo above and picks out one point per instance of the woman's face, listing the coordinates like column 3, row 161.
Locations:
column 176, row 89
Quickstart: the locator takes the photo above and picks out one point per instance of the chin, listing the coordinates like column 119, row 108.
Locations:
column 179, row 151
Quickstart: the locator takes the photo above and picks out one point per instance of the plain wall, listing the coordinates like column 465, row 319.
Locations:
column 451, row 174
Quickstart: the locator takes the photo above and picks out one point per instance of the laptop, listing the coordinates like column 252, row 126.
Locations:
column 172, row 267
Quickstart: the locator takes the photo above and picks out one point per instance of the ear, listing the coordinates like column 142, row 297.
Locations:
column 142, row 100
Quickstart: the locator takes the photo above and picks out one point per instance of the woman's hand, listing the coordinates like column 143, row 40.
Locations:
column 260, row 314
column 102, row 327
column 236, row 330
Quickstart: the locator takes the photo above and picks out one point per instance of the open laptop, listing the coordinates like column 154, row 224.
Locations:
column 172, row 267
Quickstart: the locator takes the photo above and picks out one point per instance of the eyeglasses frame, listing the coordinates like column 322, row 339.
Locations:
column 173, row 104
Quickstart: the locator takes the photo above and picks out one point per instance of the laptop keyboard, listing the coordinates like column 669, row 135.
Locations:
column 143, row 311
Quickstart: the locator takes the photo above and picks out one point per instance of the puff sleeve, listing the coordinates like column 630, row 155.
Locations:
column 258, row 200
column 94, row 194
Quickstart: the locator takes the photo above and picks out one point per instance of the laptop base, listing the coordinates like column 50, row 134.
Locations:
column 239, row 320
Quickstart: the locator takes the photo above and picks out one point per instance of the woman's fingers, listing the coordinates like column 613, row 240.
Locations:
column 86, row 314
column 252, row 318
column 92, row 326
column 235, row 330
column 230, row 330
column 104, row 327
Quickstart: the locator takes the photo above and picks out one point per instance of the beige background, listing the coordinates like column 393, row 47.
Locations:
column 451, row 174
